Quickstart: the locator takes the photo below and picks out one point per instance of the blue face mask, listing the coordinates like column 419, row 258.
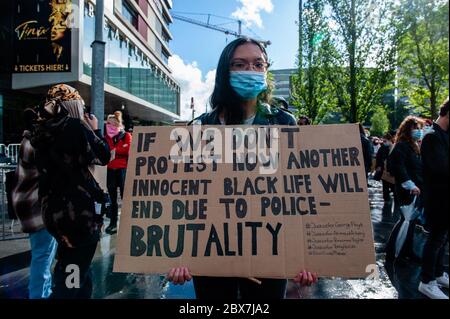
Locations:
column 248, row 84
column 417, row 135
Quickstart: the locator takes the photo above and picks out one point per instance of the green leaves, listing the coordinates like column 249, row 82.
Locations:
column 380, row 122
column 348, row 57
column 423, row 54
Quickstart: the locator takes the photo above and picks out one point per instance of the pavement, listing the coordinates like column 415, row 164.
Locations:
column 397, row 280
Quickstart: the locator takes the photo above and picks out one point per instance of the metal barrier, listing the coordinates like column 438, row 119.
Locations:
column 4, row 149
column 9, row 154
column 7, row 224
column 13, row 152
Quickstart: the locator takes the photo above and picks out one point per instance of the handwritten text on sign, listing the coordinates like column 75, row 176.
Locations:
column 246, row 201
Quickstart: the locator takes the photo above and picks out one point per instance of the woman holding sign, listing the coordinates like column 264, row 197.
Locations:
column 240, row 97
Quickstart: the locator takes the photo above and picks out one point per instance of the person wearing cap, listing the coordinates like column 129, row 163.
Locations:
column 119, row 142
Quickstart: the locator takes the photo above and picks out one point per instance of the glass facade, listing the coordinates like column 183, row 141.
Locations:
column 129, row 14
column 128, row 70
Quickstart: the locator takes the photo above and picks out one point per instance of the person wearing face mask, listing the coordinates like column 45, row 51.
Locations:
column 381, row 157
column 434, row 150
column 240, row 97
column 119, row 142
column 406, row 166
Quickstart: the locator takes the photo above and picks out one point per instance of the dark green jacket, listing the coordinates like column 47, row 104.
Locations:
column 265, row 115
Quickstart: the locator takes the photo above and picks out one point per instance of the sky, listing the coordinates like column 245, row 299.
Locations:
column 196, row 49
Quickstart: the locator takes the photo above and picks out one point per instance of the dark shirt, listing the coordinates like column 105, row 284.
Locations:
column 67, row 189
column 265, row 115
column 434, row 151
column 405, row 164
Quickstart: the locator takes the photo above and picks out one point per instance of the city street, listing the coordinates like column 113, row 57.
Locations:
column 398, row 280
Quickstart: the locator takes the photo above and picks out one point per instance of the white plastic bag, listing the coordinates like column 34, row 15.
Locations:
column 410, row 212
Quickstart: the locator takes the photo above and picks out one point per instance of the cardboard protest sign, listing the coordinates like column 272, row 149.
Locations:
column 246, row 201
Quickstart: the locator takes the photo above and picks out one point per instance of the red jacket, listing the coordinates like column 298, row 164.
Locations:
column 120, row 144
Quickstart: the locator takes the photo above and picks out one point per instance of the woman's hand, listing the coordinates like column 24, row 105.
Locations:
column 66, row 241
column 306, row 278
column 91, row 120
column 416, row 191
column 178, row 276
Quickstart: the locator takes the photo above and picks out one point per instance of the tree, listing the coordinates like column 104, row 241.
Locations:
column 364, row 42
column 423, row 53
column 310, row 90
column 380, row 122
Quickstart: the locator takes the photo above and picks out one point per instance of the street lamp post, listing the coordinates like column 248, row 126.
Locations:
column 98, row 65
column 192, row 107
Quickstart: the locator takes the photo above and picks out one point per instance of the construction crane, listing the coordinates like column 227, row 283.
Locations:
column 208, row 25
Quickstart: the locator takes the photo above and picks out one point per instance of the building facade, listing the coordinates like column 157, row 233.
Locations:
column 282, row 79
column 138, row 80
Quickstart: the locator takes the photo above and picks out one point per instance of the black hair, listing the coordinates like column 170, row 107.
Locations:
column 444, row 108
column 361, row 129
column 29, row 117
column 304, row 118
column 224, row 99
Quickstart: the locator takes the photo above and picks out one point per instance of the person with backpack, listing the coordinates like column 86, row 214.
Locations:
column 119, row 142
column 240, row 97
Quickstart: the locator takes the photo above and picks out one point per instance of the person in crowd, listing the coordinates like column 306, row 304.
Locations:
column 434, row 151
column 381, row 158
column 367, row 149
column 376, row 145
column 428, row 127
column 236, row 100
column 303, row 120
column 27, row 207
column 119, row 142
column 406, row 166
column 67, row 141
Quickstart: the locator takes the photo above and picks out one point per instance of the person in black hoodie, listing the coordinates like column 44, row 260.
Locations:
column 406, row 166
column 434, row 150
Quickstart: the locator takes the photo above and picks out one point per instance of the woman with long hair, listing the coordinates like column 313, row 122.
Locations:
column 406, row 166
column 240, row 97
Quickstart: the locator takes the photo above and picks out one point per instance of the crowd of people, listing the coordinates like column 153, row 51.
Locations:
column 412, row 164
column 61, row 205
